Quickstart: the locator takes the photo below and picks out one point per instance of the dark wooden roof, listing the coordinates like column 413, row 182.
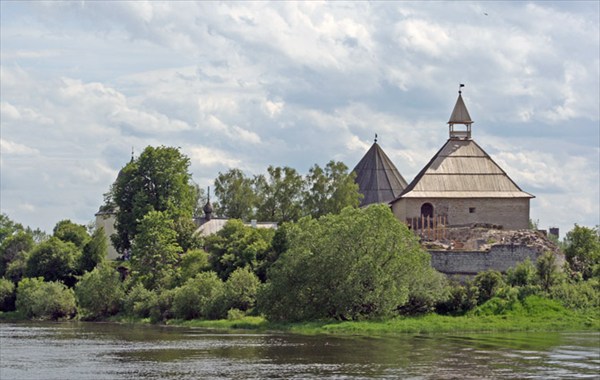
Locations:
column 377, row 177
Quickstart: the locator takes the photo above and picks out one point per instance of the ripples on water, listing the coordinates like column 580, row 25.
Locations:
column 109, row 351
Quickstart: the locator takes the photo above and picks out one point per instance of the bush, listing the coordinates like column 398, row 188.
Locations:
column 199, row 297
column 140, row 302
column 240, row 290
column 462, row 298
column 99, row 293
column 523, row 274
column 37, row 299
column 55, row 260
column 578, row 295
column 7, row 295
column 488, row 283
column 164, row 307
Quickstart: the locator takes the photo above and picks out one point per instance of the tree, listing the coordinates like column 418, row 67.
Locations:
column 279, row 197
column 354, row 265
column 7, row 295
column 488, row 283
column 54, row 260
column 330, row 190
column 192, row 263
column 45, row 300
column 12, row 247
column 240, row 290
column 582, row 251
column 99, row 292
column 158, row 180
column 68, row 231
column 237, row 246
column 547, row 270
column 94, row 251
column 199, row 297
column 155, row 250
column 236, row 195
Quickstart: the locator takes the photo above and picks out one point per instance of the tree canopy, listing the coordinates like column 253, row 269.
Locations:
column 582, row 251
column 158, row 180
column 353, row 265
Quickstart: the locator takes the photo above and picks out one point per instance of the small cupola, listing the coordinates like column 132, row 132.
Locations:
column 460, row 116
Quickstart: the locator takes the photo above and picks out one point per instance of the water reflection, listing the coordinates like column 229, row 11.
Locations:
column 110, row 351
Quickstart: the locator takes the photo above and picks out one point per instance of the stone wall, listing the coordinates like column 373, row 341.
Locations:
column 510, row 213
column 500, row 257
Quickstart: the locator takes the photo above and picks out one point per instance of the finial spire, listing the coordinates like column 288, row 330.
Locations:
column 132, row 154
column 375, row 137
column 208, row 209
column 460, row 115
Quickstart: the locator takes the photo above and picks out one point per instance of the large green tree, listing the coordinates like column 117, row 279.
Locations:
column 329, row 190
column 353, row 265
column 158, row 180
column 66, row 230
column 155, row 251
column 279, row 195
column 236, row 195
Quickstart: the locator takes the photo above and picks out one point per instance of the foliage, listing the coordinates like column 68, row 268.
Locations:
column 8, row 227
column 158, row 180
column 237, row 246
column 7, row 295
column 522, row 274
column 17, row 267
column 99, row 293
column 68, row 231
column 427, row 289
column 94, row 251
column 38, row 299
column 461, row 299
column 547, row 270
column 329, row 190
column 139, row 301
column 354, row 265
column 279, row 195
column 12, row 247
column 192, row 263
column 155, row 250
column 54, row 260
column 186, row 234
column 240, row 290
column 236, row 195
column 582, row 251
column 578, row 294
column 199, row 297
column 488, row 284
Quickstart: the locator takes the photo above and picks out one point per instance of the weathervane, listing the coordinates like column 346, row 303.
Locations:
column 459, row 87
column 375, row 137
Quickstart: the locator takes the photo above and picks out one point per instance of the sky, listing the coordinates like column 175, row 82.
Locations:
column 251, row 84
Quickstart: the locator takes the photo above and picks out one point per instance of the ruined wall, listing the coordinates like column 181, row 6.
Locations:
column 500, row 257
column 510, row 213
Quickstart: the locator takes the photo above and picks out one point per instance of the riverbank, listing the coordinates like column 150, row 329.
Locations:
column 541, row 315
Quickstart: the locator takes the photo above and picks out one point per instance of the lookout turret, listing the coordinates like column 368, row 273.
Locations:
column 460, row 116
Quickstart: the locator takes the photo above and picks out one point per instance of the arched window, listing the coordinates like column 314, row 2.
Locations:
column 427, row 209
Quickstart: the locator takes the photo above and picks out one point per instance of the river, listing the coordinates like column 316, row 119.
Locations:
column 97, row 351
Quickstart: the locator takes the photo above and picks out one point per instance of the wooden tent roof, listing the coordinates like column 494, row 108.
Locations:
column 377, row 177
column 461, row 169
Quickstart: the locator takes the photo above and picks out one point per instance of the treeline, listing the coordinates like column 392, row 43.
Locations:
column 346, row 264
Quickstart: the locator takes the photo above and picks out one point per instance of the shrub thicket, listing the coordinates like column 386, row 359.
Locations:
column 7, row 295
column 99, row 293
column 38, row 299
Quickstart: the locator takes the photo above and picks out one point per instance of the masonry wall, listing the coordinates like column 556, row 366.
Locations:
column 107, row 221
column 499, row 257
column 510, row 213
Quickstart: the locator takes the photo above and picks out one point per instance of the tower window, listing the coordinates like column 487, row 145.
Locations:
column 471, row 210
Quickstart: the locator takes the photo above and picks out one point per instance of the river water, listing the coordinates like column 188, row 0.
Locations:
column 97, row 351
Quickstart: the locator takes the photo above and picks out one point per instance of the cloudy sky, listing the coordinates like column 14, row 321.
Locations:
column 247, row 85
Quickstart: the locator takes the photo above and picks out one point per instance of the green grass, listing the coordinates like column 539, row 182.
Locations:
column 533, row 314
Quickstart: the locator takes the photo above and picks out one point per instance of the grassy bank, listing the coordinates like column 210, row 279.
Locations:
column 537, row 314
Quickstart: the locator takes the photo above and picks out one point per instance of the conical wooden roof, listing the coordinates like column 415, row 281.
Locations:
column 460, row 114
column 377, row 177
column 462, row 169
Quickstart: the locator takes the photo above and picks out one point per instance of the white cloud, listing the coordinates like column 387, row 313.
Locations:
column 13, row 148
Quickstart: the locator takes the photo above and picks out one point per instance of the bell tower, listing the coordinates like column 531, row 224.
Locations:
column 460, row 116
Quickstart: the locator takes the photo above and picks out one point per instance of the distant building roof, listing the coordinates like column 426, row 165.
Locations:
column 460, row 114
column 214, row 225
column 377, row 177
